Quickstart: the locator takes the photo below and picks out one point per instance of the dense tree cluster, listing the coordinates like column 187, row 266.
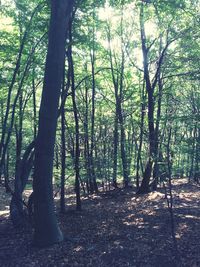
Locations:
column 122, row 84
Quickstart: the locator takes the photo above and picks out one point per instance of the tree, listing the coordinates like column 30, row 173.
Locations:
column 116, row 119
column 76, row 119
column 151, row 84
column 6, row 127
column 46, row 229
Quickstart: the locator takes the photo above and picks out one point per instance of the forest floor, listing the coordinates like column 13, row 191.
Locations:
column 115, row 229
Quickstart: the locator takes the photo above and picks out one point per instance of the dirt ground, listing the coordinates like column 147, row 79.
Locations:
column 115, row 229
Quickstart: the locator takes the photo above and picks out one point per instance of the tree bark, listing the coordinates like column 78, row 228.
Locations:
column 91, row 157
column 150, row 88
column 115, row 152
column 47, row 231
column 143, row 105
column 76, row 119
column 63, row 159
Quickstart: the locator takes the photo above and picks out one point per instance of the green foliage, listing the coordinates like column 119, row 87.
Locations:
column 97, row 23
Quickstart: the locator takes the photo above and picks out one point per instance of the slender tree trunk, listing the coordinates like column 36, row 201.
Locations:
column 197, row 158
column 143, row 105
column 5, row 128
column 90, row 188
column 150, row 87
column 75, row 110
column 63, row 159
column 118, row 89
column 16, row 206
column 122, row 129
column 24, row 167
column 92, row 169
column 6, row 171
column 115, row 152
column 123, row 150
column 193, row 136
column 156, row 135
column 120, row 109
column 116, row 129
column 34, row 106
column 65, row 88
column 6, row 137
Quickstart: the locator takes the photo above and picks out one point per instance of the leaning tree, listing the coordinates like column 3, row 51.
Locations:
column 46, row 229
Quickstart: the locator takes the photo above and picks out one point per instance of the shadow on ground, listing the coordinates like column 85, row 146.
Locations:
column 116, row 229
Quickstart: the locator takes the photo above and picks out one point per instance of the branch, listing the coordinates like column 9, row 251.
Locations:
column 181, row 74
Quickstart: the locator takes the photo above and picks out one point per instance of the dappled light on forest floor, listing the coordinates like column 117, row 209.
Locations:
column 4, row 213
column 114, row 229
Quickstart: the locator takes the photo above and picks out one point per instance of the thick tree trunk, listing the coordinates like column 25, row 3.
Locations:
column 47, row 231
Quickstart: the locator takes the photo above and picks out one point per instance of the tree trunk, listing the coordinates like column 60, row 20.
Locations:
column 150, row 87
column 115, row 152
column 23, row 170
column 63, row 161
column 143, row 105
column 144, row 188
column 47, row 231
column 92, row 168
column 156, row 135
column 34, row 106
column 3, row 142
column 89, row 183
column 120, row 108
column 76, row 119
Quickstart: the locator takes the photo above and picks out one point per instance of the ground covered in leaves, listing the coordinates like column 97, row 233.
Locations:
column 115, row 229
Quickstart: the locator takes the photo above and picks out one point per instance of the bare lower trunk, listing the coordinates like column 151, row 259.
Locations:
column 47, row 231
column 144, row 187
column 115, row 154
